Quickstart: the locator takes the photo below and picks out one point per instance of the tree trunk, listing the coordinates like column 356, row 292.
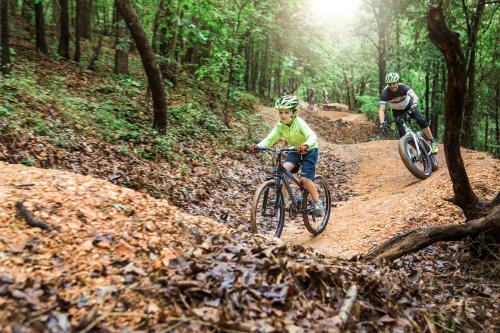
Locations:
column 486, row 129
column 13, row 7
column 362, row 85
column 470, row 76
column 248, row 64
column 381, row 58
column 56, row 15
column 41, row 44
column 263, row 69
column 426, row 94
column 121, row 46
column 347, row 91
column 434, row 101
column 64, row 32
column 448, row 42
column 85, row 19
column 380, row 10
column 398, row 43
column 26, row 10
column 277, row 79
column 78, row 51
column 148, row 61
column 5, row 37
column 233, row 48
column 255, row 68
column 418, row 239
column 497, row 125
column 97, row 53
column 106, row 18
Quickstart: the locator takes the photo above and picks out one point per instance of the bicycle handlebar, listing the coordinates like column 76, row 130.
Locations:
column 276, row 150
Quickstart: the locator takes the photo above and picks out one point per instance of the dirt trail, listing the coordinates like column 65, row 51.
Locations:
column 347, row 116
column 388, row 198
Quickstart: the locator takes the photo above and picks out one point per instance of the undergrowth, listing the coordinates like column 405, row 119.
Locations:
column 58, row 105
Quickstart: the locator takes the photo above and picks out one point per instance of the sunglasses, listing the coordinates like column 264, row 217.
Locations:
column 284, row 111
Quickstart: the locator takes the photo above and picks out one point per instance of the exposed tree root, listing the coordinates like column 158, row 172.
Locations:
column 418, row 239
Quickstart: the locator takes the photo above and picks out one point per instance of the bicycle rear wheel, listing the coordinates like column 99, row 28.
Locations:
column 267, row 214
column 419, row 165
column 317, row 224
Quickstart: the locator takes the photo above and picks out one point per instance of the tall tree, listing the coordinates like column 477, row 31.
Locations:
column 121, row 45
column 78, row 50
column 379, row 8
column 64, row 29
column 497, row 122
column 5, row 36
column 149, row 63
column 56, row 14
column 85, row 19
column 41, row 44
column 434, row 100
column 473, row 23
column 233, row 49
column 13, row 7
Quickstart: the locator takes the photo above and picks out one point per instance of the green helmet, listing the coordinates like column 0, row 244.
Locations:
column 287, row 102
column 392, row 78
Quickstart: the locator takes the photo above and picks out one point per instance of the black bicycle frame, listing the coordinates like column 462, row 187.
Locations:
column 280, row 175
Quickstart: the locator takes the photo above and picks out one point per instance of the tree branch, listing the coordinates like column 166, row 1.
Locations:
column 30, row 219
column 419, row 239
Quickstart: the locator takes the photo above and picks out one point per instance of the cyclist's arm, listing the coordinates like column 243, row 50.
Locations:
column 384, row 98
column 381, row 111
column 311, row 138
column 271, row 138
column 413, row 96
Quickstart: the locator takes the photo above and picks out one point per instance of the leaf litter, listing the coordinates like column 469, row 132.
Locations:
column 153, row 268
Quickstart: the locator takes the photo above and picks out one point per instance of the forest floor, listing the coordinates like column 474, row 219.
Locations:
column 96, row 239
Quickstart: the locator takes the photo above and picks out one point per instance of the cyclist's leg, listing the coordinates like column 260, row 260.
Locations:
column 399, row 124
column 292, row 164
column 424, row 125
column 308, row 173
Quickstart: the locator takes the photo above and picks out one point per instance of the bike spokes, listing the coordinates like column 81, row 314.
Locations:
column 267, row 214
column 416, row 160
column 313, row 221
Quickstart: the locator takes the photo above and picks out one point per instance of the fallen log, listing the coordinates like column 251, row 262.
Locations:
column 419, row 239
column 345, row 311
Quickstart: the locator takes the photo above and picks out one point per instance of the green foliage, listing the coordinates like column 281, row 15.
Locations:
column 28, row 161
column 6, row 112
column 369, row 106
column 191, row 121
column 39, row 126
column 247, row 101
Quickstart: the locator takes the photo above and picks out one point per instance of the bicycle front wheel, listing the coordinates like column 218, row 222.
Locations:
column 267, row 214
column 418, row 164
column 316, row 224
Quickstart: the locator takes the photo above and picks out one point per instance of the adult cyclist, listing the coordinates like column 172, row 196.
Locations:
column 401, row 98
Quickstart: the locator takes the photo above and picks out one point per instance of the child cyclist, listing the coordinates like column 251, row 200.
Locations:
column 298, row 134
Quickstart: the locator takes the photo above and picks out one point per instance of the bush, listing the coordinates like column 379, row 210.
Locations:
column 247, row 101
column 369, row 106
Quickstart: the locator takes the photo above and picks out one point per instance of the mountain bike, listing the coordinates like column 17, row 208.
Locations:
column 415, row 150
column 268, row 204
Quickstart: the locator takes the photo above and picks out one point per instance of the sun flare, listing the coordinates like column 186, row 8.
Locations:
column 335, row 9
